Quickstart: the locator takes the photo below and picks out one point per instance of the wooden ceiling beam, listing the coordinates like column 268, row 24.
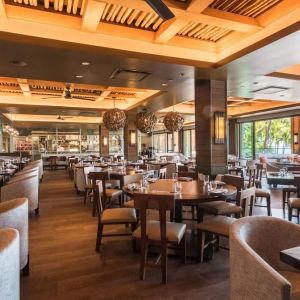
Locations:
column 169, row 29
column 198, row 6
column 209, row 16
column 92, row 15
column 24, row 87
column 2, row 9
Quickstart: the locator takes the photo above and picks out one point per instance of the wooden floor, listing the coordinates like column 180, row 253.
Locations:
column 64, row 264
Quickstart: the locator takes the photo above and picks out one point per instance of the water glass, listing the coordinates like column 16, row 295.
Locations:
column 178, row 187
column 213, row 185
column 175, row 176
column 206, row 178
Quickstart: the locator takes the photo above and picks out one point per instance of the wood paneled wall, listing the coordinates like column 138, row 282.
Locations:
column 130, row 152
column 233, row 137
column 103, row 132
column 210, row 96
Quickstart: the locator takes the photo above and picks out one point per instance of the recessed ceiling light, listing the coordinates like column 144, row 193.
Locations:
column 170, row 80
column 18, row 63
column 79, row 76
column 256, row 82
column 164, row 84
column 181, row 74
column 85, row 63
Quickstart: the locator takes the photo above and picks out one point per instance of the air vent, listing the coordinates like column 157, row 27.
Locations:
column 271, row 89
column 129, row 75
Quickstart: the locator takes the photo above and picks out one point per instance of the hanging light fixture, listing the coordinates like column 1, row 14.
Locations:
column 173, row 121
column 145, row 121
column 114, row 119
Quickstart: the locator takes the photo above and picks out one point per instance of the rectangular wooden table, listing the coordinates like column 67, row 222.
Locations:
column 274, row 178
column 291, row 257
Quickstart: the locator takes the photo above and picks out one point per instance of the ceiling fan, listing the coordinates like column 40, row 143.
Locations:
column 62, row 118
column 68, row 95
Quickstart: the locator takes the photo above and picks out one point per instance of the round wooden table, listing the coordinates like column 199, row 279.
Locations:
column 193, row 192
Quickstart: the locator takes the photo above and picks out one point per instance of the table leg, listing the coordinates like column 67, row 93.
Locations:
column 178, row 212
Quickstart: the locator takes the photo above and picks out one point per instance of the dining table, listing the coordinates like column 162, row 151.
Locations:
column 193, row 192
column 291, row 257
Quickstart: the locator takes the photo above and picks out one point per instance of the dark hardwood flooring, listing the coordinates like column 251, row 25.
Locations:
column 64, row 264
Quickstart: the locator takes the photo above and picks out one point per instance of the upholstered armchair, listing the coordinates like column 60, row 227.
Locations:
column 256, row 271
column 14, row 214
column 9, row 264
column 27, row 187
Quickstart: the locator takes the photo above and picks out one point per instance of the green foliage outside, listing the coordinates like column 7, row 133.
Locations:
column 271, row 137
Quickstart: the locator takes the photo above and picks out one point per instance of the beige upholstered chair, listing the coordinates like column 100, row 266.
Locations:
column 161, row 232
column 36, row 163
column 27, row 187
column 9, row 264
column 219, row 225
column 14, row 214
column 256, row 271
column 109, row 216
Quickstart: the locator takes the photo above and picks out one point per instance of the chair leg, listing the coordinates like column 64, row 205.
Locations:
column 251, row 207
column 164, row 262
column 37, row 210
column 85, row 195
column 25, row 270
column 99, row 236
column 183, row 248
column 269, row 206
column 290, row 211
column 201, row 241
column 144, row 253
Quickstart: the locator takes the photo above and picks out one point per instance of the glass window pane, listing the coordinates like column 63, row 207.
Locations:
column 273, row 137
column 193, row 143
column 246, row 140
column 187, row 143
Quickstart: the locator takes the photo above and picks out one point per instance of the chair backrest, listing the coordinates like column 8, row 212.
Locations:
column 162, row 202
column 297, row 184
column 193, row 175
column 14, row 214
column 183, row 168
column 245, row 198
column 255, row 244
column 27, row 187
column 86, row 171
column 170, row 169
column 132, row 178
column 95, row 177
column 80, row 179
column 259, row 171
column 219, row 177
column 162, row 173
column 234, row 180
column 9, row 264
column 252, row 176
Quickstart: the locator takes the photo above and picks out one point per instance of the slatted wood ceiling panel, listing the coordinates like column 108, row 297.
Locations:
column 203, row 32
column 249, row 8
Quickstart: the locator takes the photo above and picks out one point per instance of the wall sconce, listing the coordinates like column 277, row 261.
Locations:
column 219, row 119
column 132, row 138
column 104, row 141
column 295, row 137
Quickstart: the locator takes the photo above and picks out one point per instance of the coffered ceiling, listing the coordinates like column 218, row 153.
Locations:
column 203, row 31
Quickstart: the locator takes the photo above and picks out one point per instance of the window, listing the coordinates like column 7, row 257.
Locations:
column 246, row 140
column 271, row 137
column 116, row 142
column 159, row 142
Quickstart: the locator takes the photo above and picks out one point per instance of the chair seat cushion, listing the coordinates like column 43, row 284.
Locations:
column 294, row 202
column 294, row 279
column 218, row 224
column 118, row 215
column 220, row 208
column 262, row 193
column 110, row 193
column 129, row 203
column 291, row 189
column 175, row 231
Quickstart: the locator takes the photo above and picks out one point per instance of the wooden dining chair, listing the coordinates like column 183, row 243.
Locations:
column 160, row 233
column 193, row 175
column 88, row 187
column 294, row 202
column 258, row 175
column 222, row 207
column 109, row 216
column 219, row 225
column 107, row 194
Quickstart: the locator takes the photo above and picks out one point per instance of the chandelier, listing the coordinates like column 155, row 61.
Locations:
column 173, row 121
column 114, row 119
column 10, row 130
column 145, row 121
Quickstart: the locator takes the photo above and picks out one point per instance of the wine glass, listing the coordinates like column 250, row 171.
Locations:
column 175, row 176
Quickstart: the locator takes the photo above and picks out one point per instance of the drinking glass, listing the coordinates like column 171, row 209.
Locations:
column 213, row 185
column 175, row 176
column 178, row 187
column 206, row 178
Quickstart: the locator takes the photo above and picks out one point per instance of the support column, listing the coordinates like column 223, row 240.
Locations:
column 233, row 137
column 130, row 139
column 210, row 97
column 103, row 140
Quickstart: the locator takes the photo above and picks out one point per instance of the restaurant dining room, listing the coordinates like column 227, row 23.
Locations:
column 149, row 149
